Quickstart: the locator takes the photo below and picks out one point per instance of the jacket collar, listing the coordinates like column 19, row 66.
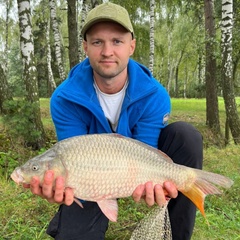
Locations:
column 78, row 87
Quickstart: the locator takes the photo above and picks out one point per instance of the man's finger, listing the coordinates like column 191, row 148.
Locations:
column 150, row 198
column 138, row 192
column 35, row 187
column 69, row 197
column 26, row 185
column 171, row 189
column 159, row 195
column 47, row 186
column 59, row 190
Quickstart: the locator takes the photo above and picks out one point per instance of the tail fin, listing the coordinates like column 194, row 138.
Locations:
column 205, row 184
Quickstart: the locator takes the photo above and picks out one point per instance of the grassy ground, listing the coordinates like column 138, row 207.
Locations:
column 24, row 216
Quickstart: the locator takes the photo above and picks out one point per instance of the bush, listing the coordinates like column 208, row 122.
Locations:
column 19, row 121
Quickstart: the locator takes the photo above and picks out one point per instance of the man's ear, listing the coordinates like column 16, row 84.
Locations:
column 85, row 46
column 132, row 46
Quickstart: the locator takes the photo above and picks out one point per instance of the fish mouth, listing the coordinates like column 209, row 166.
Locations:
column 17, row 176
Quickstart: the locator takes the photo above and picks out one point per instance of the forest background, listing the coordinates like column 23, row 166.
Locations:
column 191, row 47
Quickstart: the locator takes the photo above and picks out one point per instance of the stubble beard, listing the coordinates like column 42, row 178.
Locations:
column 109, row 73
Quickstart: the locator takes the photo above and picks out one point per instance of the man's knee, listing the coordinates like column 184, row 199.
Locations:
column 183, row 143
column 183, row 131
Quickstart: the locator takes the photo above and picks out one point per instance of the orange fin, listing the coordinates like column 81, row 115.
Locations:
column 110, row 208
column 197, row 197
column 205, row 184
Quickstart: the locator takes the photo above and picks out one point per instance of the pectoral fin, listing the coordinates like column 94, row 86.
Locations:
column 76, row 200
column 110, row 208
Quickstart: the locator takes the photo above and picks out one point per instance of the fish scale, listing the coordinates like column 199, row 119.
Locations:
column 104, row 167
column 124, row 170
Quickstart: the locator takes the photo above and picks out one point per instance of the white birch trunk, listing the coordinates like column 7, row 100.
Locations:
column 4, row 89
column 49, row 59
column 57, row 39
column 152, row 20
column 227, row 70
column 227, row 25
column 5, row 56
column 83, row 17
column 30, row 73
column 169, row 60
column 27, row 50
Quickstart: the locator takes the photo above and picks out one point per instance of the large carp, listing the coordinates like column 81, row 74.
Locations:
column 104, row 167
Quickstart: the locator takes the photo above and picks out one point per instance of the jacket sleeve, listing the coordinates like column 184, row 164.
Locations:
column 152, row 118
column 67, row 119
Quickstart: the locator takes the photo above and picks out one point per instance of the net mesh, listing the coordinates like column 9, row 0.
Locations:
column 155, row 226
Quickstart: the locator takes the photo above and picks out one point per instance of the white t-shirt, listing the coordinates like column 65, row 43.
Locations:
column 111, row 104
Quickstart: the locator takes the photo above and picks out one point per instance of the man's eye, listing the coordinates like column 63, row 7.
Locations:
column 97, row 43
column 117, row 41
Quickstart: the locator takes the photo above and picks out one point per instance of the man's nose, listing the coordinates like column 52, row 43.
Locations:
column 107, row 49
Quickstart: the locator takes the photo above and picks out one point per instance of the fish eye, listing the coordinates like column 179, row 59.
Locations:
column 35, row 167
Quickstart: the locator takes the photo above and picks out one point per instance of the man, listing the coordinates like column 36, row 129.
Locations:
column 108, row 92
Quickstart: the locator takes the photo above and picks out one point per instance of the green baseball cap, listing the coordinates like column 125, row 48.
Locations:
column 107, row 12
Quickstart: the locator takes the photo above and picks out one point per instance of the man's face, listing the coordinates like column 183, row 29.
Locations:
column 108, row 46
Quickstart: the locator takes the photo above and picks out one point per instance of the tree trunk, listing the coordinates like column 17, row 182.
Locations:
column 87, row 5
column 4, row 88
column 72, row 33
column 30, row 72
column 57, row 40
column 49, row 59
column 200, row 51
column 152, row 20
column 211, row 69
column 169, row 69
column 176, row 90
column 227, row 70
column 83, row 17
column 6, row 37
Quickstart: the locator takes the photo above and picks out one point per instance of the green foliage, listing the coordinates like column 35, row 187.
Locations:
column 15, row 79
column 179, row 30
column 222, row 212
column 23, row 216
column 7, row 163
column 19, row 120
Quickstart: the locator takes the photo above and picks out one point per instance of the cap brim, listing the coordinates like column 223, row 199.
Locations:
column 97, row 20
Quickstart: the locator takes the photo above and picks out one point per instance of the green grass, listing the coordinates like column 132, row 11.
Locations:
column 25, row 216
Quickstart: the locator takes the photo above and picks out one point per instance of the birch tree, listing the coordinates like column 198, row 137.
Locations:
column 30, row 72
column 170, row 68
column 87, row 5
column 83, row 17
column 211, row 69
column 72, row 33
column 227, row 70
column 49, row 59
column 4, row 88
column 5, row 57
column 57, row 40
column 152, row 21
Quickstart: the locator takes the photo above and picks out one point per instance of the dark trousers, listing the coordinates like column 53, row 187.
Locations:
column 180, row 141
column 183, row 143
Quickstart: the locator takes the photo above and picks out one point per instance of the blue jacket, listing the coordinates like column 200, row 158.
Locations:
column 75, row 108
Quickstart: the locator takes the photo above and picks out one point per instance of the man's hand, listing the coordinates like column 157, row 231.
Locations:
column 157, row 193
column 58, row 194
